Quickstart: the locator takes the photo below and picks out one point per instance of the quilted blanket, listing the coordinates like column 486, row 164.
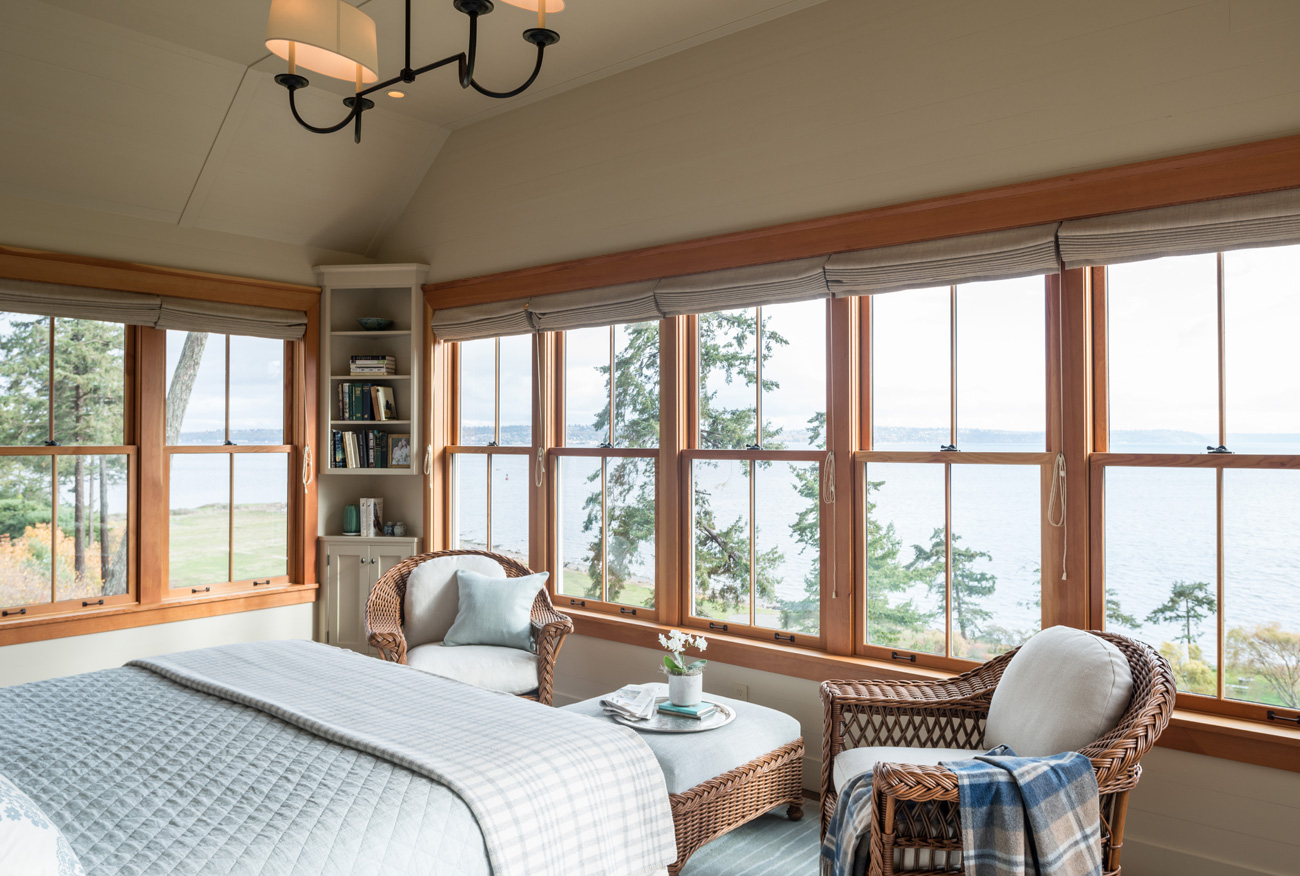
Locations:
column 555, row 793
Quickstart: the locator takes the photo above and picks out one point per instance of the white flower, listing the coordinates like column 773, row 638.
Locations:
column 701, row 643
column 663, row 641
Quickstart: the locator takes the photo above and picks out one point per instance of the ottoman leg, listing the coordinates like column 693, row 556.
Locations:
column 794, row 811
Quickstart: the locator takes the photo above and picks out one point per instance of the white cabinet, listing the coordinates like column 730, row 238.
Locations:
column 352, row 567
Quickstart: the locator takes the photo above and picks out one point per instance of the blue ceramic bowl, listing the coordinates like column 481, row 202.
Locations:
column 374, row 323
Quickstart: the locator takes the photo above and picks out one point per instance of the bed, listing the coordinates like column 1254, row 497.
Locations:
column 298, row 759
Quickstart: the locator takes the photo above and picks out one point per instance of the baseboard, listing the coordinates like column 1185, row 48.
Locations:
column 1149, row 859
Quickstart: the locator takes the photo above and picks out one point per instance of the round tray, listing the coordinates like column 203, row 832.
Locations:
column 661, row 723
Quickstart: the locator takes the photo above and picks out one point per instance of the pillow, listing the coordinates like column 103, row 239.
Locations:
column 30, row 843
column 1064, row 689
column 495, row 611
column 432, row 597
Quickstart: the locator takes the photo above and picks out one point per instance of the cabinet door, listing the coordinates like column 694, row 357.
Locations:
column 384, row 557
column 348, row 587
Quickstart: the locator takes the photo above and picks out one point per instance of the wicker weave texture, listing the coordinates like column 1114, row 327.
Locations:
column 917, row 805
column 712, row 808
column 384, row 617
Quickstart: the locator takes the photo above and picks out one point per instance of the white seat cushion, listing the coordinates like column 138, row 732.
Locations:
column 1064, row 689
column 433, row 598
column 855, row 761
column 508, row 670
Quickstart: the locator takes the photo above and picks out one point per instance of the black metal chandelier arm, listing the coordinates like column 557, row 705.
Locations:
column 293, row 107
column 541, row 51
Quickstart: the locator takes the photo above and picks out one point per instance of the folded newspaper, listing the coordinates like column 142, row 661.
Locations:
column 632, row 702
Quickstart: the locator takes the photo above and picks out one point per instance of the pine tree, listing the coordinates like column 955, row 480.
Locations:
column 969, row 585
column 1188, row 604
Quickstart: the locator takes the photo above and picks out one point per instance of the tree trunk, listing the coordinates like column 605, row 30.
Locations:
column 103, row 519
column 178, row 394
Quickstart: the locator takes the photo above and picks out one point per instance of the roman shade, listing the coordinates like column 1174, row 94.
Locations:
column 756, row 286
column 78, row 302
column 220, row 317
column 1270, row 219
column 994, row 255
column 154, row 311
column 490, row 320
column 609, row 305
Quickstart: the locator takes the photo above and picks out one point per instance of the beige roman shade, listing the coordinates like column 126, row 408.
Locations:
column 588, row 308
column 231, row 319
column 1270, row 219
column 490, row 320
column 776, row 283
column 995, row 255
column 78, row 302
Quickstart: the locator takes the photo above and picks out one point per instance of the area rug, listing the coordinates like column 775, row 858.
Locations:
column 770, row 845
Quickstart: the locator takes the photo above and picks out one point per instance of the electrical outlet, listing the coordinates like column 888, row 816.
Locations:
column 740, row 692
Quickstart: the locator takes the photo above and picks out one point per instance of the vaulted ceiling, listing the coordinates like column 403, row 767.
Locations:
column 166, row 110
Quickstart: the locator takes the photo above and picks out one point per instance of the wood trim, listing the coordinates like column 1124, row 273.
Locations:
column 154, row 500
column 692, row 454
column 306, row 420
column 19, row 263
column 839, row 619
column 1068, row 602
column 606, row 452
column 978, row 457
column 1264, row 166
column 1196, row 460
column 674, row 437
column 110, row 618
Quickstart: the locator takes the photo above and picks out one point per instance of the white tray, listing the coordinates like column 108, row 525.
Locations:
column 661, row 723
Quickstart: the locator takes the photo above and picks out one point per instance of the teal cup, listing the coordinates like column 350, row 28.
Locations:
column 351, row 520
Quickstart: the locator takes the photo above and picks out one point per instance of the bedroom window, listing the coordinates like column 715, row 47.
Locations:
column 1200, row 475
column 491, row 450
column 606, row 467
column 951, row 485
column 228, row 461
column 66, row 469
column 755, row 472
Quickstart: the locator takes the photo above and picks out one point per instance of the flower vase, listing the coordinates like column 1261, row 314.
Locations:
column 685, row 690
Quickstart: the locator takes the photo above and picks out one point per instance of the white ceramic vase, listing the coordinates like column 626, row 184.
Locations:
column 685, row 690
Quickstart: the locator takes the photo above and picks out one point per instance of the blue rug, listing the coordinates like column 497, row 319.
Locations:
column 770, row 845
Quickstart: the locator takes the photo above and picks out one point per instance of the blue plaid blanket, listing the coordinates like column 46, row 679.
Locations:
column 1020, row 816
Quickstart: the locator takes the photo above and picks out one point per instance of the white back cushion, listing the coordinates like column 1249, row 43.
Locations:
column 432, row 597
column 1064, row 689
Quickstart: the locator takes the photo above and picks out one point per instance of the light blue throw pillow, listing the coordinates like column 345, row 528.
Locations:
column 495, row 611
column 30, row 843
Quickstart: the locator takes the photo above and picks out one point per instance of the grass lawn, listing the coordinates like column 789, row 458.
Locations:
column 200, row 539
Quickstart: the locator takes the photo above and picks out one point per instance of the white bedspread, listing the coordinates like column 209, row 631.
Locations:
column 555, row 794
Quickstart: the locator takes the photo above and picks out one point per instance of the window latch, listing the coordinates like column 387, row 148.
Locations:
column 7, row 613
column 894, row 655
column 85, row 603
column 1220, row 449
column 1274, row 716
column 228, row 443
column 50, row 443
column 714, row 626
column 607, row 445
column 781, row 638
column 753, row 446
column 492, row 444
column 948, row 448
column 627, row 611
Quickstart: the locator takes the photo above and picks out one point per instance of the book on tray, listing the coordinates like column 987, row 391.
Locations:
column 698, row 711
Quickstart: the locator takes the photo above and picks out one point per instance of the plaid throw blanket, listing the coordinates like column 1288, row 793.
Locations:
column 555, row 794
column 1020, row 816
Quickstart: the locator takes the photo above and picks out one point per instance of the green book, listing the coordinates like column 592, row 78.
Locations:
column 699, row 710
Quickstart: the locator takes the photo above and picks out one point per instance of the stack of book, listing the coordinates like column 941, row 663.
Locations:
column 366, row 402
column 360, row 366
column 369, row 448
column 698, row 711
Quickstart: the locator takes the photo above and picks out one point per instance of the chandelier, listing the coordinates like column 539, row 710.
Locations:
column 337, row 39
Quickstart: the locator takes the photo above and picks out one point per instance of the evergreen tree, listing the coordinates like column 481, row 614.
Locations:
column 969, row 586
column 1188, row 604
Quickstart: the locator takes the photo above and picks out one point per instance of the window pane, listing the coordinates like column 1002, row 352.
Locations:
column 1262, row 310
column 911, row 363
column 469, row 488
column 261, row 515
column 580, row 527
column 1001, row 365
column 25, row 530
column 996, row 558
column 1161, row 566
column 586, row 387
column 794, row 376
column 24, row 380
column 510, row 487
column 92, row 545
column 256, row 391
column 199, row 523
column 905, row 556
column 196, row 388
column 720, row 558
column 478, row 375
column 787, row 546
column 1261, row 599
column 89, row 381
column 517, row 391
column 631, row 533
column 728, row 401
column 636, row 388
column 1163, row 349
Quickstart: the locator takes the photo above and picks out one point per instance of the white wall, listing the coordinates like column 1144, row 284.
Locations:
column 848, row 105
column 51, row 658
column 1190, row 815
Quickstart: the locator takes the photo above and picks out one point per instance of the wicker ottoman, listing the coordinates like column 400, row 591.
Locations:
column 719, row 779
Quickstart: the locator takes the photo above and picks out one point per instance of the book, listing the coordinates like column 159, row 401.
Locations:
column 386, row 404
column 698, row 711
column 372, row 517
column 367, row 408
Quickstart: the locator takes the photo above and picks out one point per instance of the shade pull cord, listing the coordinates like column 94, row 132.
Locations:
column 306, row 467
column 539, row 470
column 828, row 479
column 1056, row 507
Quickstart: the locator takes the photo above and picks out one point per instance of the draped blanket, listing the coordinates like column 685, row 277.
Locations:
column 1020, row 816
column 555, row 794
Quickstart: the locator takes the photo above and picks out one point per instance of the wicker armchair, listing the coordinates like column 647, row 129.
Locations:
column 384, row 617
column 916, row 805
